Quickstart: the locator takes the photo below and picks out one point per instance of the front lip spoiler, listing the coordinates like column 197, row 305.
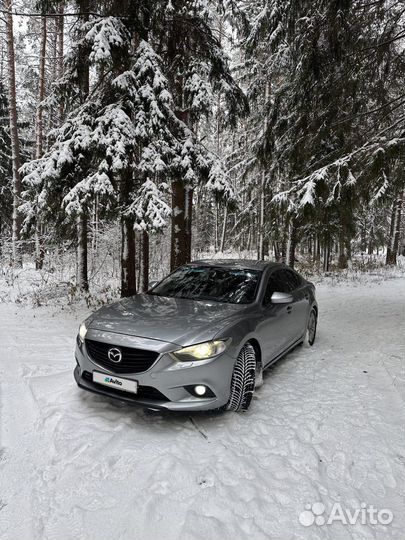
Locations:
column 148, row 403
column 97, row 389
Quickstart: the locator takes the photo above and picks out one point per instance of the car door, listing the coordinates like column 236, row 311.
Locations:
column 274, row 323
column 299, row 308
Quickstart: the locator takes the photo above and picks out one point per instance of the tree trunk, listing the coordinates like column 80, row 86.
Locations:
column 260, row 247
column 276, row 249
column 260, row 250
column 216, row 227
column 182, row 201
column 291, row 243
column 82, row 253
column 326, row 254
column 249, row 239
column 84, row 83
column 363, row 239
column 59, row 48
column 224, row 228
column 395, row 229
column 39, row 246
column 82, row 274
column 15, row 143
column 128, row 257
column 94, row 245
column 317, row 250
column 182, row 194
column 342, row 258
column 346, row 217
column 283, row 238
column 145, row 262
column 83, row 67
column 39, row 137
column 370, row 241
column 349, row 252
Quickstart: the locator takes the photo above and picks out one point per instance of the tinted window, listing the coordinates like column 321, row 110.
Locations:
column 277, row 283
column 293, row 280
column 234, row 286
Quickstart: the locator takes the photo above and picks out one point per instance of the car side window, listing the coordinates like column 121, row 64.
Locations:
column 292, row 279
column 276, row 283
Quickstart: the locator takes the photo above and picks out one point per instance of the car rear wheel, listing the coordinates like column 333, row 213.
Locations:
column 243, row 380
column 310, row 333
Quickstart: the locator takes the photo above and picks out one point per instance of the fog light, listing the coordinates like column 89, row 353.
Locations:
column 200, row 390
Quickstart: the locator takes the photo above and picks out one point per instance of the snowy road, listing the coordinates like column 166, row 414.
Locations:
column 327, row 426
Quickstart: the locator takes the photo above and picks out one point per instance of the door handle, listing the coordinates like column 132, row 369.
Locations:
column 289, row 309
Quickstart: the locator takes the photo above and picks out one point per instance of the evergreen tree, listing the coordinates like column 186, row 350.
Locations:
column 322, row 106
column 197, row 68
column 128, row 135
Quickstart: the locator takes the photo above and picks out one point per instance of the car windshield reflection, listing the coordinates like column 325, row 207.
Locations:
column 227, row 285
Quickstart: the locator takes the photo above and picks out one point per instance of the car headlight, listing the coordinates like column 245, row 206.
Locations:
column 202, row 351
column 82, row 331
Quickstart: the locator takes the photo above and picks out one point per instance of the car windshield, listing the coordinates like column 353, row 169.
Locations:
column 230, row 285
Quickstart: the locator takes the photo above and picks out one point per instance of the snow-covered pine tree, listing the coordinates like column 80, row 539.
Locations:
column 66, row 159
column 322, row 105
column 92, row 144
column 239, row 145
column 48, row 180
column 118, row 144
column 197, row 68
column 148, row 104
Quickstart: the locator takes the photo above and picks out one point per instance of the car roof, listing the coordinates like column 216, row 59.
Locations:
column 245, row 264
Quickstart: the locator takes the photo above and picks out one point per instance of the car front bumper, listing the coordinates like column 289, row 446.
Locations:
column 163, row 386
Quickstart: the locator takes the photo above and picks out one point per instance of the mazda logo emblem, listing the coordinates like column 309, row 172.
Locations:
column 115, row 355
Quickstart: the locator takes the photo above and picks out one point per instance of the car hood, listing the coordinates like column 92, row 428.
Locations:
column 175, row 320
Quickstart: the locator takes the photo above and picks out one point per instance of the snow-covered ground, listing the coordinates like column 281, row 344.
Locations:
column 327, row 426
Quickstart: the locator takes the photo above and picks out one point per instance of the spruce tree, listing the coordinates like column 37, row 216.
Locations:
column 322, row 109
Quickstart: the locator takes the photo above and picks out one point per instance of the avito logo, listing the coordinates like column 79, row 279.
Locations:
column 315, row 514
column 113, row 381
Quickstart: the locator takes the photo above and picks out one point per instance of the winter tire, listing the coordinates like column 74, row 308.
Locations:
column 243, row 380
column 310, row 332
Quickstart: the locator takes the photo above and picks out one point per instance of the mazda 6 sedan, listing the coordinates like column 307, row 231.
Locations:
column 200, row 338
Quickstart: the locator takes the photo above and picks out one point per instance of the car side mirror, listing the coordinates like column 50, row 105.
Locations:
column 152, row 284
column 281, row 298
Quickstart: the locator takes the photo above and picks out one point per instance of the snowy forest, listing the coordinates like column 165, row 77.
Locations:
column 136, row 136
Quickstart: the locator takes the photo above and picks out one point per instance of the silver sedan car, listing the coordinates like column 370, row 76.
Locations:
column 200, row 338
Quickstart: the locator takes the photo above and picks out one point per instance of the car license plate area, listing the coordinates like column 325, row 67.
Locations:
column 118, row 383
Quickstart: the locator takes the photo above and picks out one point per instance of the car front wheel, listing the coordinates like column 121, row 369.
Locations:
column 243, row 380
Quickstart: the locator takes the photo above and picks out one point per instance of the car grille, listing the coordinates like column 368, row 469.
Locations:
column 133, row 360
column 144, row 392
